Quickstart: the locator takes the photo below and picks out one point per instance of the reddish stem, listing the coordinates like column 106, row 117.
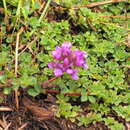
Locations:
column 52, row 91
column 57, row 92
column 52, row 79
column 46, row 83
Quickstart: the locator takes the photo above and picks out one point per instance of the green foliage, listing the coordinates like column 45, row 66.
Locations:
column 35, row 91
column 89, row 118
column 4, row 58
column 7, row 90
column 112, row 124
column 103, row 86
column 66, row 109
column 123, row 111
column 1, row 100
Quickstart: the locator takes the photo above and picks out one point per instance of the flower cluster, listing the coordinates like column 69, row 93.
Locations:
column 67, row 60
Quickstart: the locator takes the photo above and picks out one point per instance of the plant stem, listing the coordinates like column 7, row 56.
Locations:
column 5, row 7
column 16, row 63
column 44, row 11
column 16, row 49
column 57, row 92
column 52, row 79
column 94, row 4
column 19, row 8
column 45, row 84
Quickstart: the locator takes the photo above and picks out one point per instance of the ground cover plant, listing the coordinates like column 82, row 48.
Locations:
column 74, row 53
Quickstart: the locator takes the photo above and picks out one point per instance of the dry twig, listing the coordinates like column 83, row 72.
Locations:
column 4, row 124
column 16, row 49
column 115, row 17
column 2, row 108
column 23, row 126
column 28, row 45
column 16, row 63
column 94, row 4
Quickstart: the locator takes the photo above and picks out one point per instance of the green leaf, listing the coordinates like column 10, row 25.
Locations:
column 7, row 91
column 112, row 124
column 4, row 59
column 1, row 100
column 32, row 92
column 84, row 96
column 92, row 99
column 38, row 88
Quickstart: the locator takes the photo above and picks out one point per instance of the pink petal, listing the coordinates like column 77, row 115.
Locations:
column 66, row 61
column 66, row 45
column 75, row 76
column 52, row 65
column 69, row 71
column 57, row 53
column 58, row 72
column 85, row 66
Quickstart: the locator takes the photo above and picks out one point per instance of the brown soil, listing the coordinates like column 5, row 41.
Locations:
column 36, row 114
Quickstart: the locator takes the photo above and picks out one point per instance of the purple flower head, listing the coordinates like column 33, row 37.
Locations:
column 66, row 45
column 67, row 60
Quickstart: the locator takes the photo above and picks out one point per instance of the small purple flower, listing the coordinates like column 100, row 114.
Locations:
column 75, row 76
column 67, row 60
column 66, row 45
column 58, row 72
column 57, row 53
column 69, row 71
